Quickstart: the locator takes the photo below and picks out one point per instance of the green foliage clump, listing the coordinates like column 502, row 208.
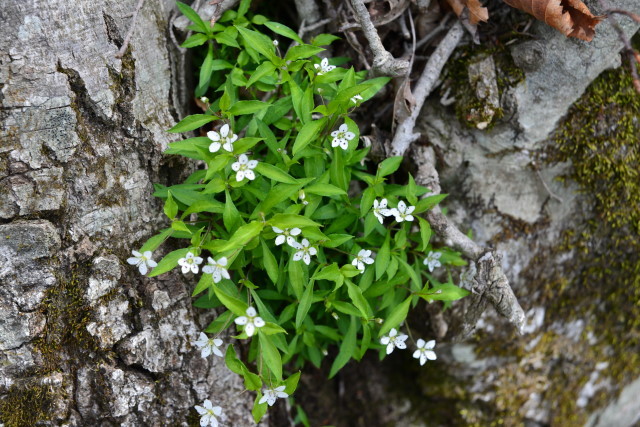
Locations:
column 286, row 211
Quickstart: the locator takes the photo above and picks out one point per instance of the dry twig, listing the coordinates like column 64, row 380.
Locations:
column 489, row 284
column 127, row 38
column 383, row 62
column 405, row 135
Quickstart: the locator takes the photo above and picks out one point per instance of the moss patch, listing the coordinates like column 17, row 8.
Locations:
column 26, row 404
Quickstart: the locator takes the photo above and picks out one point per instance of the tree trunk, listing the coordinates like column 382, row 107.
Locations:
column 84, row 340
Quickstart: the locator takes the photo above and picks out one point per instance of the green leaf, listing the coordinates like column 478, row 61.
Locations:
column 296, row 277
column 195, row 40
column 411, row 191
column 259, row 409
column 170, row 207
column 283, row 30
column 383, row 257
column 275, row 173
column 206, row 280
column 337, row 171
column 345, row 307
column 211, row 206
column 237, row 306
column 358, row 300
column 263, row 69
column 324, row 39
column 259, row 42
column 169, row 261
column 425, row 233
column 234, row 364
column 443, row 292
column 193, row 16
column 429, row 202
column 305, row 304
column 270, row 263
column 192, row 122
column 337, row 240
column 290, row 220
column 154, row 242
column 251, row 380
column 205, row 73
column 271, row 356
column 397, row 315
column 230, row 216
column 291, row 383
column 325, row 190
column 242, row 236
column 368, row 196
column 347, row 348
column 307, row 134
column 220, row 322
column 247, row 107
column 330, row 272
column 302, row 51
column 389, row 166
column 271, row 328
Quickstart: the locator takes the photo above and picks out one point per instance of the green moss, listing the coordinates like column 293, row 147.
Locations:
column 470, row 109
column 26, row 404
column 65, row 338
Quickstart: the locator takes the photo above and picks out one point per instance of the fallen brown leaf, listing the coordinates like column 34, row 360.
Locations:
column 571, row 17
column 477, row 13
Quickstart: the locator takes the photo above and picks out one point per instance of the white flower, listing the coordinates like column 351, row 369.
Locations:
column 403, row 212
column 304, row 251
column 271, row 394
column 355, row 99
column 380, row 210
column 204, row 99
column 286, row 234
column 342, row 136
column 208, row 345
column 142, row 261
column 364, row 257
column 224, row 139
column 275, row 43
column 208, row 413
column 424, row 351
column 302, row 197
column 433, row 260
column 243, row 168
column 190, row 263
column 394, row 340
column 323, row 67
column 251, row 321
column 217, row 268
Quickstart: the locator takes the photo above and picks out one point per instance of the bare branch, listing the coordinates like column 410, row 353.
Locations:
column 127, row 38
column 383, row 62
column 404, row 135
column 488, row 282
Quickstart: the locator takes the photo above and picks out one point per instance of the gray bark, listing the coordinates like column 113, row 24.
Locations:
column 81, row 138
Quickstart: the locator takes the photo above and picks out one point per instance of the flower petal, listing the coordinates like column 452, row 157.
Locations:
column 235, row 166
column 250, row 329
column 390, row 347
column 250, row 174
column 295, row 231
column 306, row 258
column 143, row 268
column 258, row 322
column 252, row 164
column 431, row 355
column 298, row 256
column 264, row 398
column 430, row 344
column 224, row 130
column 223, row 261
column 344, row 144
column 240, row 176
column 343, row 128
column 280, row 239
column 384, row 340
column 228, row 146
column 214, row 136
column 420, row 343
column 251, row 312
column 243, row 159
column 217, row 410
column 200, row 410
column 242, row 320
column 214, row 147
column 133, row 261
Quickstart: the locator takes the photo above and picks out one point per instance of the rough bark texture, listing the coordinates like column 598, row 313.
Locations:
column 84, row 340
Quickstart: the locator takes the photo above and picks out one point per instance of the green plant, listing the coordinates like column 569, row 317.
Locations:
column 285, row 165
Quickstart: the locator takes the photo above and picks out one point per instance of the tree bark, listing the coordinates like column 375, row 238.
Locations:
column 84, row 340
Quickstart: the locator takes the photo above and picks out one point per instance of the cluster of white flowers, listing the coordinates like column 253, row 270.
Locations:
column 142, row 261
column 224, row 139
column 190, row 263
column 363, row 257
column 323, row 67
column 424, row 349
column 217, row 269
column 250, row 322
column 401, row 213
column 244, row 168
column 342, row 136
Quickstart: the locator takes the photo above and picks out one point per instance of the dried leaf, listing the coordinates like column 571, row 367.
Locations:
column 571, row 17
column 477, row 13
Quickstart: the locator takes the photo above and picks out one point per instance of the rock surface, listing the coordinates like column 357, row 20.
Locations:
column 84, row 340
